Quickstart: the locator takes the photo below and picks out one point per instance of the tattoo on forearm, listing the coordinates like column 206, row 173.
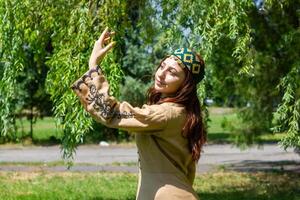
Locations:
column 102, row 106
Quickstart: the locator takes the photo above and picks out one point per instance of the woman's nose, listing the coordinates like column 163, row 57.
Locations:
column 161, row 74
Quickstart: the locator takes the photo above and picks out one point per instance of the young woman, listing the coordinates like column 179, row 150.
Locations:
column 168, row 129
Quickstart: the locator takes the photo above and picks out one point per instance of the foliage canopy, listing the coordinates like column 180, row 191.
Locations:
column 251, row 50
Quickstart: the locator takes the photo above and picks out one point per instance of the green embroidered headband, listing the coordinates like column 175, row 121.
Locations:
column 189, row 59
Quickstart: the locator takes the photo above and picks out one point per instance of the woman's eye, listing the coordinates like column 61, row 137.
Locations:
column 172, row 72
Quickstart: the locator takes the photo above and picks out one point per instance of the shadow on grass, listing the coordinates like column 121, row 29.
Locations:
column 251, row 195
column 265, row 166
column 269, row 185
column 47, row 142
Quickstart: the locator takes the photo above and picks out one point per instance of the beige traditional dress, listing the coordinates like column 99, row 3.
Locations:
column 166, row 167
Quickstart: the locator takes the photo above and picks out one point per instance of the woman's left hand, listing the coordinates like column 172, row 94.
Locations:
column 101, row 48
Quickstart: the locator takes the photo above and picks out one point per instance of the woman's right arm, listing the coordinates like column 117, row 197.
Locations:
column 93, row 92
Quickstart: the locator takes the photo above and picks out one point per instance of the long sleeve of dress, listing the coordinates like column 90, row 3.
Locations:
column 93, row 92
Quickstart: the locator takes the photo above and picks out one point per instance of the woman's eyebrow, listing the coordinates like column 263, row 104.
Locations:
column 172, row 68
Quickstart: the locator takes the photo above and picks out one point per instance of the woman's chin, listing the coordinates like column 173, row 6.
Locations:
column 159, row 88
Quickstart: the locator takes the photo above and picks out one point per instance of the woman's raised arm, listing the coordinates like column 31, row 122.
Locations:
column 101, row 47
column 93, row 92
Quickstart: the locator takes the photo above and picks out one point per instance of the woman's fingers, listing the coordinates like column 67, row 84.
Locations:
column 110, row 33
column 103, row 34
column 101, row 47
column 106, row 39
column 109, row 46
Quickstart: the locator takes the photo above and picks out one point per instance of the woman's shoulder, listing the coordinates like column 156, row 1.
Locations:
column 172, row 104
column 170, row 109
column 165, row 106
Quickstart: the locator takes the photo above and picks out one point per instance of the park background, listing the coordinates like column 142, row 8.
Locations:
column 250, row 94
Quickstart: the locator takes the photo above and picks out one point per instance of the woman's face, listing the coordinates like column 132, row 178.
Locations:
column 169, row 76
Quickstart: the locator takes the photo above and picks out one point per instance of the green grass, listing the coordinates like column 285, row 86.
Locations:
column 63, row 163
column 105, row 185
column 44, row 130
column 217, row 133
column 40, row 185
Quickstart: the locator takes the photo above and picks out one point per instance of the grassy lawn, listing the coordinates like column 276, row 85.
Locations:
column 104, row 185
column 45, row 131
column 218, row 132
column 224, row 184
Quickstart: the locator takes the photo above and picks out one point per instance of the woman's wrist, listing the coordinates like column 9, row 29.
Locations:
column 93, row 65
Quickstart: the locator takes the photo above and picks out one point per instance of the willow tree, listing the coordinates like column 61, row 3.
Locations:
column 286, row 17
column 60, row 34
column 242, row 41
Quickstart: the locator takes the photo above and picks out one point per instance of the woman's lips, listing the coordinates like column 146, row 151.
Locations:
column 159, row 83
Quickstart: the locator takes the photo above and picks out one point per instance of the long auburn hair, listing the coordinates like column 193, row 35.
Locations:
column 186, row 95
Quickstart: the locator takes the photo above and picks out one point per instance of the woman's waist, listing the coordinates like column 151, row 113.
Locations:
column 165, row 177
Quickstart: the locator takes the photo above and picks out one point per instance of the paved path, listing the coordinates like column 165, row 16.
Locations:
column 268, row 157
